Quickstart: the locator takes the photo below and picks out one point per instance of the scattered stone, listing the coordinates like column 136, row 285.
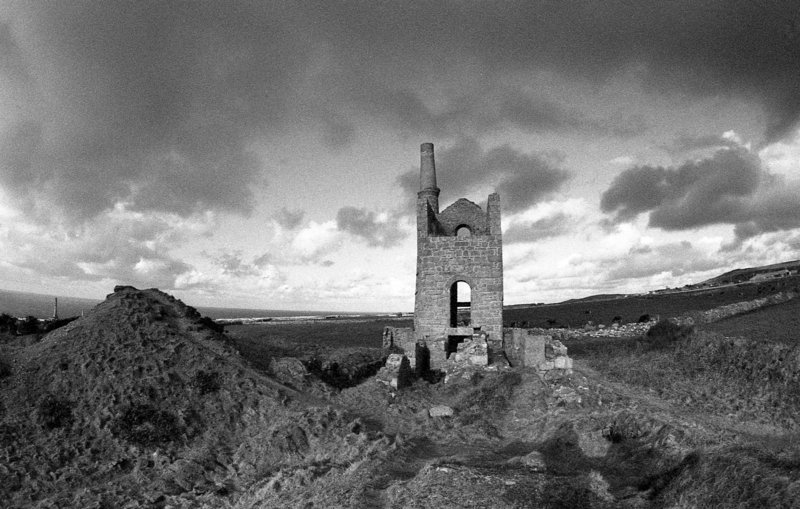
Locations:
column 534, row 460
column 473, row 351
column 397, row 372
column 440, row 411
column 288, row 369
column 594, row 444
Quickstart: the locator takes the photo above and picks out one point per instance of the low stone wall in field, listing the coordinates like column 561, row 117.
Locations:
column 737, row 308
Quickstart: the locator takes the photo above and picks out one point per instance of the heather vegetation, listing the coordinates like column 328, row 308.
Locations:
column 753, row 379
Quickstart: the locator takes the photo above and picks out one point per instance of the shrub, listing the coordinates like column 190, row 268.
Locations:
column 8, row 323
column 206, row 382
column 54, row 412
column 211, row 324
column 552, row 323
column 146, row 425
column 28, row 326
column 665, row 333
column 644, row 318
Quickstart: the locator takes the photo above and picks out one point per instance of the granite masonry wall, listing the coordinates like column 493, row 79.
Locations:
column 445, row 257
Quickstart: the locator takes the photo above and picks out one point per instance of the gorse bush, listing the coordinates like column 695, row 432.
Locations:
column 665, row 333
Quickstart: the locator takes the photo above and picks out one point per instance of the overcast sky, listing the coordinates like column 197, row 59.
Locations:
column 266, row 154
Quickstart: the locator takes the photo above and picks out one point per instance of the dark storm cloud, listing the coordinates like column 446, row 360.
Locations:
column 731, row 187
column 698, row 193
column 521, row 179
column 365, row 224
column 152, row 103
column 473, row 112
column 155, row 103
column 735, row 48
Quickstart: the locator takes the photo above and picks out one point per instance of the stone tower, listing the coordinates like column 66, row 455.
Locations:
column 459, row 257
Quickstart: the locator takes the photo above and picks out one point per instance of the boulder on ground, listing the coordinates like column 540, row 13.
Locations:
column 440, row 411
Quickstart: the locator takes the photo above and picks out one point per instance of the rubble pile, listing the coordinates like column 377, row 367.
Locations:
column 620, row 331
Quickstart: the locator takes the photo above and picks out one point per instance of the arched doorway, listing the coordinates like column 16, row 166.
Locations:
column 460, row 314
column 460, row 304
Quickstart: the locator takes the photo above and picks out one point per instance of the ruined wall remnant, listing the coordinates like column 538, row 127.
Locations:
column 530, row 348
column 459, row 251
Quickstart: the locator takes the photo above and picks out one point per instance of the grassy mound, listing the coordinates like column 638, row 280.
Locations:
column 142, row 403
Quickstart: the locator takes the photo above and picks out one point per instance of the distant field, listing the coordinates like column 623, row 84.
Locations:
column 259, row 342
column 779, row 323
column 575, row 314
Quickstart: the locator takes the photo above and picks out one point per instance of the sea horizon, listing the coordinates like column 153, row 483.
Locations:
column 20, row 304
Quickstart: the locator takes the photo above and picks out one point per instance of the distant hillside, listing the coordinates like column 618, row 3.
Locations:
column 41, row 306
column 742, row 275
column 760, row 274
column 633, row 307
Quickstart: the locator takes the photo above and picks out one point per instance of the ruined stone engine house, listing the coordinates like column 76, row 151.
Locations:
column 458, row 308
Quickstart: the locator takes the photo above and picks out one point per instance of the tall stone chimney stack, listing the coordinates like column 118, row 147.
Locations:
column 427, row 167
column 55, row 308
column 427, row 176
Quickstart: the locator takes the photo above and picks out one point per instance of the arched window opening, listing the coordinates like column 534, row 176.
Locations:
column 460, row 304
column 463, row 232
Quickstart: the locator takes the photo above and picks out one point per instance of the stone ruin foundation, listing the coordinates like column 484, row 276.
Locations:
column 458, row 306
column 521, row 348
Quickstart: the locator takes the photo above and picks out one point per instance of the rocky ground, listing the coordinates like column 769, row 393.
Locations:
column 142, row 403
